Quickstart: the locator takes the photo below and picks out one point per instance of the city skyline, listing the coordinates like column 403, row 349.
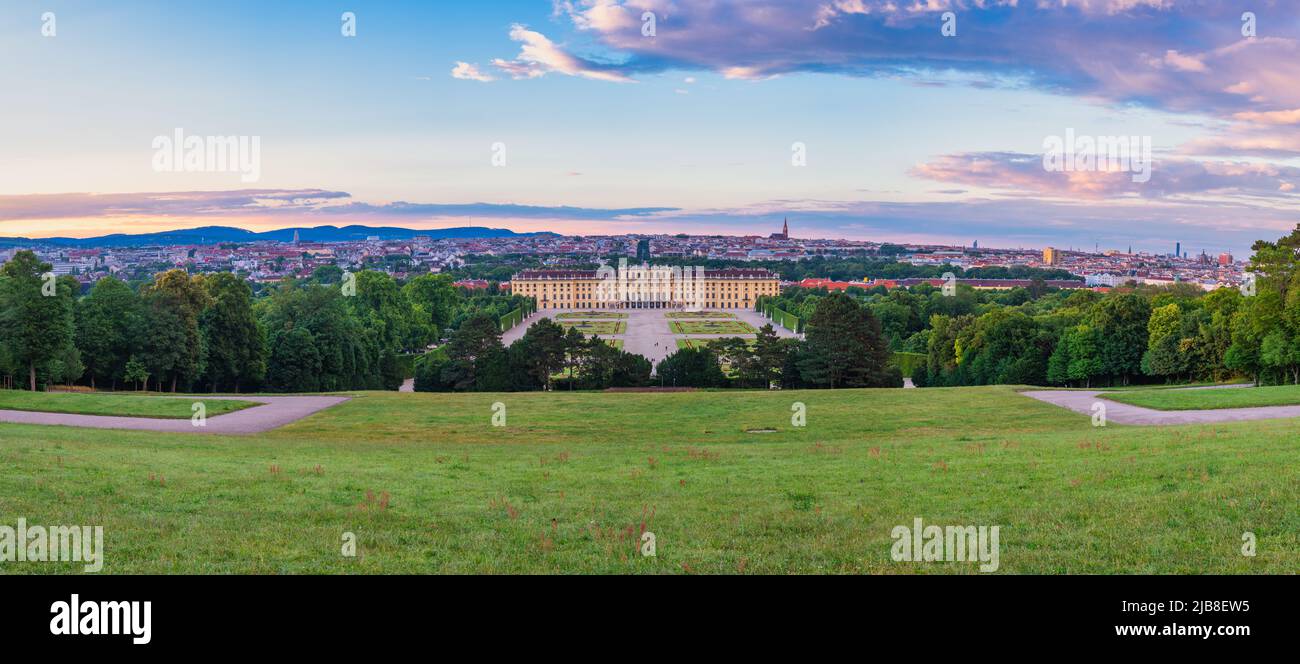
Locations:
column 477, row 233
column 907, row 135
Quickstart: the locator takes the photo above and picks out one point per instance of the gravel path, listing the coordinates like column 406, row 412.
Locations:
column 1080, row 401
column 276, row 412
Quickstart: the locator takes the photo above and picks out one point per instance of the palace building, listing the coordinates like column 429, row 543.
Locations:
column 646, row 287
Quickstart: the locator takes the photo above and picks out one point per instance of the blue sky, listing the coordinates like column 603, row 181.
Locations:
column 909, row 135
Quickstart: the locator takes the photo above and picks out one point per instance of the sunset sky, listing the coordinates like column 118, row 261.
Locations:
column 910, row 135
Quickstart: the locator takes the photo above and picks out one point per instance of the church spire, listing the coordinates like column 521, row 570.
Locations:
column 785, row 228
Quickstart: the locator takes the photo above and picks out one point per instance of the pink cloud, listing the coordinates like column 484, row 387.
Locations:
column 1020, row 174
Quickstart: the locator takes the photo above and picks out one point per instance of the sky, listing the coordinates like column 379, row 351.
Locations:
column 856, row 119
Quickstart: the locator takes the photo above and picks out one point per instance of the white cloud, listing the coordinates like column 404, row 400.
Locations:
column 539, row 56
column 469, row 72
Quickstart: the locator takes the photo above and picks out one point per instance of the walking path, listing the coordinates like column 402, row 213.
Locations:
column 1080, row 401
column 276, row 412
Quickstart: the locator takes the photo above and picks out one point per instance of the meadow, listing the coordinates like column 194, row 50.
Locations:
column 600, row 327
column 125, row 404
column 1242, row 397
column 427, row 484
column 711, row 327
column 590, row 315
column 704, row 343
column 700, row 315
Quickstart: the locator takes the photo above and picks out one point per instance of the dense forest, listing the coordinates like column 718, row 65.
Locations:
column 208, row 332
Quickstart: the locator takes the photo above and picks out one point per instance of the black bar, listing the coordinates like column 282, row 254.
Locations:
column 933, row 615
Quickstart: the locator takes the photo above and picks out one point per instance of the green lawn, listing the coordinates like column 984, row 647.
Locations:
column 427, row 484
column 1235, row 397
column 711, row 327
column 1139, row 388
column 602, row 327
column 700, row 314
column 583, row 315
column 701, row 343
column 128, row 405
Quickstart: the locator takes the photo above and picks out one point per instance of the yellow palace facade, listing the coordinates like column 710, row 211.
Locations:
column 646, row 287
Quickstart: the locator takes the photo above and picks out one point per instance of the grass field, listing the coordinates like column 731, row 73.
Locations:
column 711, row 327
column 701, row 343
column 1140, row 388
column 591, row 315
column 427, row 484
column 700, row 314
column 602, row 327
column 1239, row 397
column 127, row 405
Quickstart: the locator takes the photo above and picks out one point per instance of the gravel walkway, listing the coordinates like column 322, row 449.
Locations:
column 1080, row 401
column 276, row 412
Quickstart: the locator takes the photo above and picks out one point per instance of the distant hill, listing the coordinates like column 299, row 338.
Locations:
column 219, row 234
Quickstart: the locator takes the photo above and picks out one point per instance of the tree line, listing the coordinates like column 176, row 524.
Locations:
column 207, row 332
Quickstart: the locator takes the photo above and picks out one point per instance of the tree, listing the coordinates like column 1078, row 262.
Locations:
column 475, row 355
column 236, row 343
column 844, row 347
column 769, row 356
column 136, row 372
column 1058, row 365
column 428, row 371
column 433, row 298
column 1121, row 320
column 295, row 362
column 175, row 299
column 1004, row 346
column 691, row 367
column 543, row 348
column 66, row 367
column 1278, row 352
column 738, row 359
column 109, row 322
column 349, row 352
column 35, row 314
column 941, row 362
column 380, row 305
column 575, row 348
column 1161, row 357
column 1085, row 354
column 1247, row 336
column 164, row 351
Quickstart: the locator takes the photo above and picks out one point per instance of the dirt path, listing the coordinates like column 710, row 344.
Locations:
column 1080, row 401
column 274, row 413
